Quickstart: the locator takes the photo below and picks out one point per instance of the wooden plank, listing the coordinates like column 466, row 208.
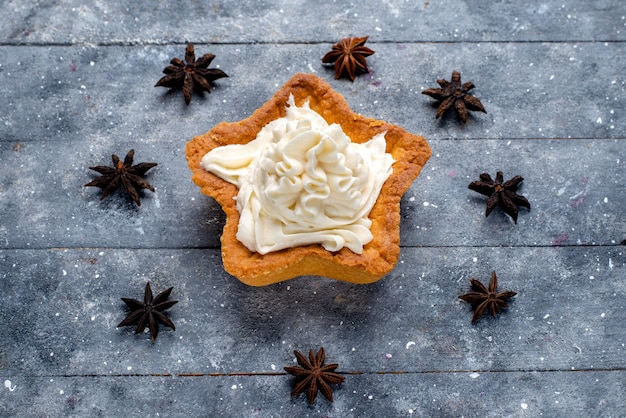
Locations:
column 62, row 308
column 593, row 393
column 103, row 95
column 44, row 203
column 120, row 22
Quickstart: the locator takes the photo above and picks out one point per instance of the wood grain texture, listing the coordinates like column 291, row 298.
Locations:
column 76, row 81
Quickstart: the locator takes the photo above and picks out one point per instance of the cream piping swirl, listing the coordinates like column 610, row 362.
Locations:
column 303, row 181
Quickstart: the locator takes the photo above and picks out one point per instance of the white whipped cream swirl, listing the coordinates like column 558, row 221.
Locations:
column 302, row 181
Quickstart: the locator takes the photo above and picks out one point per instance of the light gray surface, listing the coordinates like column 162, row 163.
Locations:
column 102, row 95
column 284, row 21
column 561, row 340
column 77, row 85
column 224, row 326
column 493, row 394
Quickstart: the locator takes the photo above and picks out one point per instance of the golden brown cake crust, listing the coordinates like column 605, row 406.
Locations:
column 379, row 256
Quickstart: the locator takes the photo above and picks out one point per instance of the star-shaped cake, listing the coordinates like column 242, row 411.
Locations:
column 301, row 94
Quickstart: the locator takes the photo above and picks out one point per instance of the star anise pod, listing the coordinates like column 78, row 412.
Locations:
column 149, row 312
column 190, row 74
column 314, row 375
column 486, row 299
column 349, row 57
column 501, row 194
column 453, row 94
column 122, row 173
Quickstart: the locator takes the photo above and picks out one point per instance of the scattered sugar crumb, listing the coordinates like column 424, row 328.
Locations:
column 9, row 385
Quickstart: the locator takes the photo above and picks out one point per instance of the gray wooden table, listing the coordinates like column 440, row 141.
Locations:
column 76, row 81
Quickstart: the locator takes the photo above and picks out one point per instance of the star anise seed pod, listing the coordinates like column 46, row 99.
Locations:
column 191, row 73
column 349, row 57
column 453, row 94
column 501, row 194
column 149, row 312
column 314, row 375
column 122, row 173
column 486, row 299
